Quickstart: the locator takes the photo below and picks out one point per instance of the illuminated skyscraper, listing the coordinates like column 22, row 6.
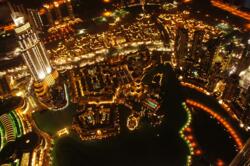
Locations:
column 207, row 61
column 48, row 87
column 196, row 45
column 34, row 54
column 181, row 45
column 231, row 91
column 33, row 51
column 35, row 19
column 32, row 15
column 49, row 14
column 58, row 11
column 70, row 9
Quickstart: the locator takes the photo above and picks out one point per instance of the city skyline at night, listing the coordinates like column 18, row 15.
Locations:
column 124, row 82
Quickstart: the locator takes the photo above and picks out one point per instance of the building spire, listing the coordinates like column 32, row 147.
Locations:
column 10, row 7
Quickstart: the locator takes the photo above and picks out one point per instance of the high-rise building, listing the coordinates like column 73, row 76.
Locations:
column 196, row 45
column 35, row 56
column 164, row 32
column 208, row 54
column 32, row 15
column 70, row 9
column 49, row 14
column 19, row 8
column 58, row 11
column 244, row 62
column 245, row 98
column 214, row 76
column 181, row 45
column 33, row 51
column 35, row 19
column 231, row 91
column 54, row 11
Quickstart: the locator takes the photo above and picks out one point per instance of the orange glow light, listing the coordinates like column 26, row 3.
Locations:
column 198, row 152
column 202, row 90
column 107, row 13
column 106, row 1
column 42, row 11
column 8, row 27
column 56, row 4
column 188, row 129
column 46, row 6
column 222, row 121
column 193, row 144
column 247, row 26
column 187, row 1
column 220, row 163
column 231, row 9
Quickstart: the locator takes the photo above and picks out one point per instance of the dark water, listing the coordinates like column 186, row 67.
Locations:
column 161, row 146
column 147, row 146
column 213, row 138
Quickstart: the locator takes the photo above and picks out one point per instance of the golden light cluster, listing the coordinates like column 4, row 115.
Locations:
column 106, row 1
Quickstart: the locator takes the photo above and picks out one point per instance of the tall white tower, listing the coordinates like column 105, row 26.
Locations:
column 34, row 54
column 32, row 50
column 35, row 57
